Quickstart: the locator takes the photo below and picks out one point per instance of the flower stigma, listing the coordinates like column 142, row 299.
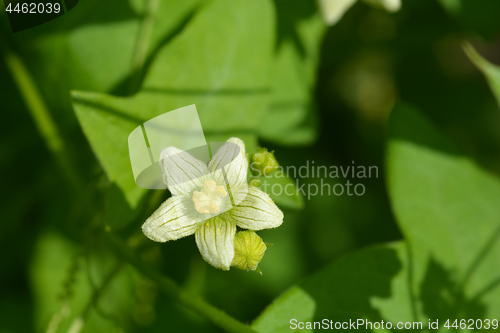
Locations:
column 210, row 198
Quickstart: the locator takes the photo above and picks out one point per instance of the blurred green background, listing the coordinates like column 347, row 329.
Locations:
column 270, row 72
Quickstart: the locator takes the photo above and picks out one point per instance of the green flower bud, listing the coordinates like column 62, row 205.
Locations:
column 248, row 250
column 263, row 161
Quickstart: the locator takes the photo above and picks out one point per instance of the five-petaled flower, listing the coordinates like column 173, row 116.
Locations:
column 210, row 201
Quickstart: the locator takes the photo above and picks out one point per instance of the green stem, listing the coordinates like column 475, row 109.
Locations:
column 79, row 321
column 183, row 297
column 64, row 6
column 142, row 44
column 196, row 276
column 41, row 115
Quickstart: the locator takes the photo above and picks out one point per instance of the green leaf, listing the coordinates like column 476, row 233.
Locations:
column 291, row 119
column 490, row 71
column 346, row 289
column 276, row 318
column 226, row 78
column 282, row 189
column 81, row 40
column 61, row 276
column 448, row 209
column 75, row 52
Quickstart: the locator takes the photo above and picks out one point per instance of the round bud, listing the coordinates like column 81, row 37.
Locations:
column 263, row 161
column 248, row 250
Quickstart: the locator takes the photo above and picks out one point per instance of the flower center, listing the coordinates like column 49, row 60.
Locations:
column 210, row 198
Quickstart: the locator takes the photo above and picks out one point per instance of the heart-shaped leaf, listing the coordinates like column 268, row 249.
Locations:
column 228, row 46
column 449, row 211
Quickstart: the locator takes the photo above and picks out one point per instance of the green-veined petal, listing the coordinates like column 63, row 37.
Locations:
column 257, row 211
column 174, row 219
column 231, row 159
column 215, row 240
column 181, row 171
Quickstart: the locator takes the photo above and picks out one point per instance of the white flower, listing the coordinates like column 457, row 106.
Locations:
column 210, row 201
column 389, row 5
column 333, row 10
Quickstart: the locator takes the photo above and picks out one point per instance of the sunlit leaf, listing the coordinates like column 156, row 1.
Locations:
column 448, row 209
column 291, row 119
column 348, row 289
column 228, row 47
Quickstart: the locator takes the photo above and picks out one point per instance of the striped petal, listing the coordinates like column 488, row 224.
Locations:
column 174, row 219
column 215, row 240
column 230, row 163
column 181, row 171
column 257, row 211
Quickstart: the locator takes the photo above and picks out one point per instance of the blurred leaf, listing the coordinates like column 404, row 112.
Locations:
column 282, row 189
column 291, row 119
column 481, row 18
column 295, row 303
column 333, row 10
column 335, row 223
column 490, row 71
column 448, row 210
column 249, row 138
column 345, row 289
column 75, row 52
column 228, row 46
column 60, row 280
column 172, row 318
column 451, row 6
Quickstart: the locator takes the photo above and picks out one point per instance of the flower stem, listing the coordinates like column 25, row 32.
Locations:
column 142, row 44
column 172, row 289
column 41, row 116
